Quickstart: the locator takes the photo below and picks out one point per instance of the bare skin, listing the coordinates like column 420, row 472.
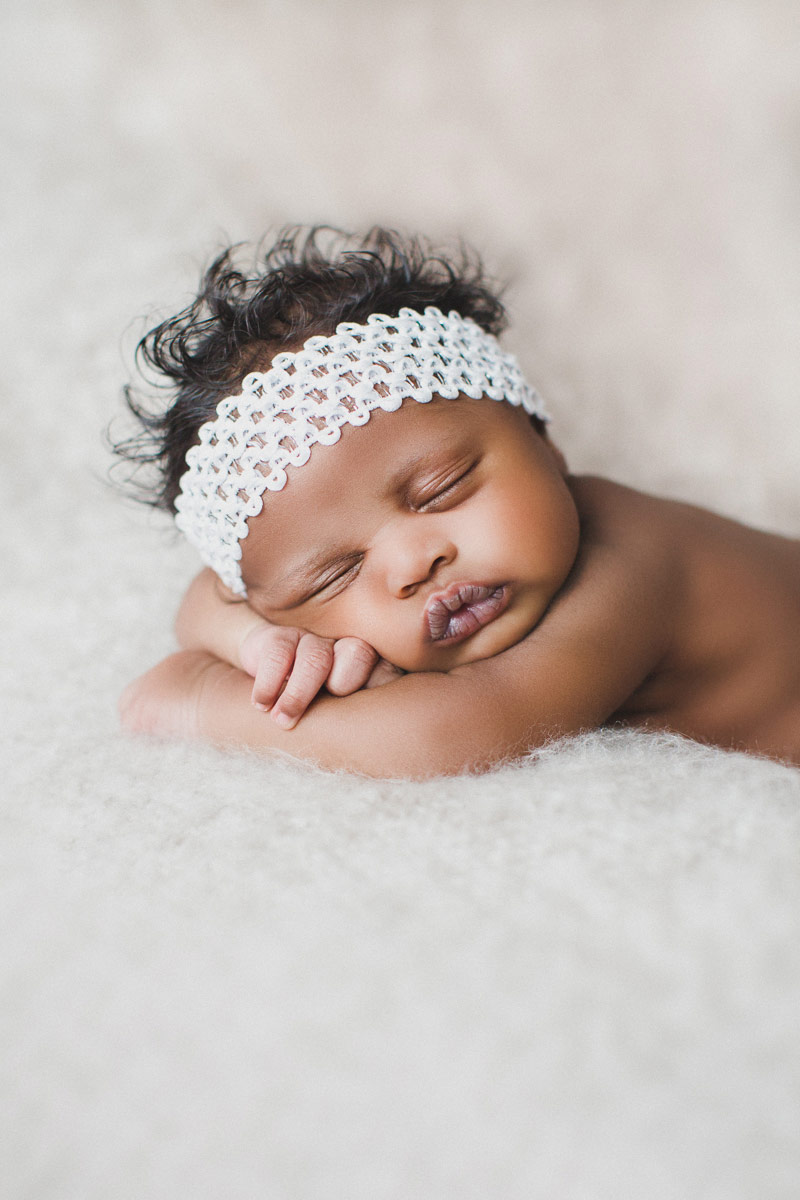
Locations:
column 617, row 607
column 731, row 676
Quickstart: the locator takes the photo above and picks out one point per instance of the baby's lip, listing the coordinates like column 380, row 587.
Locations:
column 461, row 609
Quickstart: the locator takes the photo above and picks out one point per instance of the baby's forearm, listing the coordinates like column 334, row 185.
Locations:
column 210, row 618
column 421, row 725
column 418, row 726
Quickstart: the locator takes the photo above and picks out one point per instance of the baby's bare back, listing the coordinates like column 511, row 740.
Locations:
column 729, row 614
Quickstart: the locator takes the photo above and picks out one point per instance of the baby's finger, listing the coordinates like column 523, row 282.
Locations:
column 383, row 672
column 277, row 649
column 353, row 661
column 312, row 664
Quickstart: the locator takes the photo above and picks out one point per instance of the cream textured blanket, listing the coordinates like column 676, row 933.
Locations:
column 575, row 978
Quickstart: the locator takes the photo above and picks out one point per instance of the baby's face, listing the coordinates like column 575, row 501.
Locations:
column 438, row 534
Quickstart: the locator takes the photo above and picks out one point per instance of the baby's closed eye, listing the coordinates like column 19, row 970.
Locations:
column 456, row 482
column 334, row 582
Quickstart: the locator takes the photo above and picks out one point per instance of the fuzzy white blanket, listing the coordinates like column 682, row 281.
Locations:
column 576, row 977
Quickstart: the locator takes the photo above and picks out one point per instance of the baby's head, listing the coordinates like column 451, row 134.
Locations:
column 349, row 448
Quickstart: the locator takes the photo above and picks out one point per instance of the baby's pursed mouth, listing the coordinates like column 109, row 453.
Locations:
column 462, row 609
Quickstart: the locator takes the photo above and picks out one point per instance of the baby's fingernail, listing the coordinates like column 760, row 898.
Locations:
column 283, row 720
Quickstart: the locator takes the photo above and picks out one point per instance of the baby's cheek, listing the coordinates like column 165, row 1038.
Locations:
column 395, row 635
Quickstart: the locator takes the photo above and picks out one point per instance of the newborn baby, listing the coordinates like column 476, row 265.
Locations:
column 373, row 487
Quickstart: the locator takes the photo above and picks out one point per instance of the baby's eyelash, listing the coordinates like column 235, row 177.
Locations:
column 449, row 487
column 346, row 573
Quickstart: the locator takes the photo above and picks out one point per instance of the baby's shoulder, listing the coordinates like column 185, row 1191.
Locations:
column 610, row 510
column 646, row 541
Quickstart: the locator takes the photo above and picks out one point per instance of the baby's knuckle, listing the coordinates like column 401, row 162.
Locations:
column 318, row 662
column 359, row 652
column 280, row 638
column 276, row 656
column 317, row 653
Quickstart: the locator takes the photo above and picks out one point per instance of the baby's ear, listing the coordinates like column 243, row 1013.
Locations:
column 561, row 462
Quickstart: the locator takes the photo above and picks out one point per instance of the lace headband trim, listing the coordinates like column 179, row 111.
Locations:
column 306, row 397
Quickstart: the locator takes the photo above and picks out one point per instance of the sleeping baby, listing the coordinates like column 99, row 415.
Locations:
column 402, row 578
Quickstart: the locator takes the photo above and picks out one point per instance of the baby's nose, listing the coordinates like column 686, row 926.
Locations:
column 415, row 560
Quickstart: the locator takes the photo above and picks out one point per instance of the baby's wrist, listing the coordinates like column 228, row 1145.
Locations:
column 251, row 644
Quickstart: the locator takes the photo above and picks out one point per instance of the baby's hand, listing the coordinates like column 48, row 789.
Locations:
column 290, row 666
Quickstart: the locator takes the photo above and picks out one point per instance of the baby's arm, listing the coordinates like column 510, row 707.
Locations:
column 605, row 632
column 287, row 666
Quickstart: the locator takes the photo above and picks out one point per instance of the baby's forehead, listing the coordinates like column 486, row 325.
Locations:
column 380, row 456
column 384, row 448
column 391, row 442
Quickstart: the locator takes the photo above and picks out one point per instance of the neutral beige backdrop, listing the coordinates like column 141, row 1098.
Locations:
column 576, row 978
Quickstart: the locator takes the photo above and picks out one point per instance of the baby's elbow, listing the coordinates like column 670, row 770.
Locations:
column 139, row 708
column 164, row 700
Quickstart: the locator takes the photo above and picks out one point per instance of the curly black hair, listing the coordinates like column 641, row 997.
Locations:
column 306, row 283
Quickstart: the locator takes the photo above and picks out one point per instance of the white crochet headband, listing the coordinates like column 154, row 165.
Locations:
column 306, row 397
